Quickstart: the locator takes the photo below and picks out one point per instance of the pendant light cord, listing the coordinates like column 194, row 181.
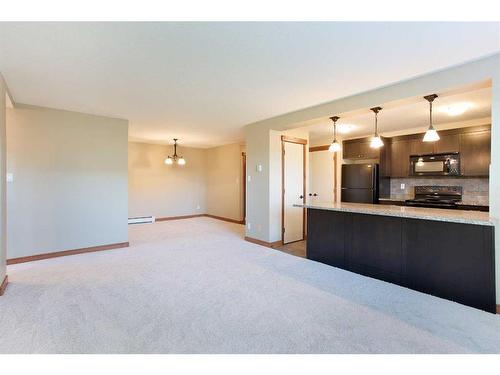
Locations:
column 376, row 110
column 334, row 119
column 430, row 116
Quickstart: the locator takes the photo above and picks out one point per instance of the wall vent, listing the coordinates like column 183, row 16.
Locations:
column 141, row 220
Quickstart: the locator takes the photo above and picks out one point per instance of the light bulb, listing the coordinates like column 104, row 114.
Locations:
column 334, row 147
column 376, row 142
column 431, row 135
column 169, row 161
column 181, row 161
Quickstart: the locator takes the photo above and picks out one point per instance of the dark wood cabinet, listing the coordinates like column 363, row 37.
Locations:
column 449, row 260
column 359, row 149
column 475, row 153
column 367, row 152
column 400, row 157
column 350, row 150
column 473, row 143
column 326, row 237
column 377, row 253
column 418, row 147
column 447, row 143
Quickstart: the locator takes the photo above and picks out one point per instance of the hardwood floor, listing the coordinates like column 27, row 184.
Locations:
column 294, row 248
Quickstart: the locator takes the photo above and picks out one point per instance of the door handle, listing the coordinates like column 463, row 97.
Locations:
column 301, row 197
column 315, row 195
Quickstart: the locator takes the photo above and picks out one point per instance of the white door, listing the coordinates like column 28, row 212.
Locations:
column 293, row 217
column 321, row 174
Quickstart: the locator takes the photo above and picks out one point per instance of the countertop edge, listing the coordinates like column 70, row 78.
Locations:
column 408, row 215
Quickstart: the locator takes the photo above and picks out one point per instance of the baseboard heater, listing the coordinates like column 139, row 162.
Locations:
column 141, row 220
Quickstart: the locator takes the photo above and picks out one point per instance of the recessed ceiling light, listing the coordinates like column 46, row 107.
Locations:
column 345, row 128
column 456, row 109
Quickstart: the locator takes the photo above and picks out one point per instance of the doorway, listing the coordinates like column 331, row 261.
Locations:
column 322, row 174
column 293, row 181
column 244, row 187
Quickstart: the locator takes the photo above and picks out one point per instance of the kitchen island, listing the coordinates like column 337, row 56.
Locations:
column 446, row 253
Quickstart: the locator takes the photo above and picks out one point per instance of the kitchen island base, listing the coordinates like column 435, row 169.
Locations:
column 450, row 260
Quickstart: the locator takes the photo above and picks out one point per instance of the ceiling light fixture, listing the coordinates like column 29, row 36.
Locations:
column 175, row 158
column 335, row 146
column 431, row 134
column 376, row 141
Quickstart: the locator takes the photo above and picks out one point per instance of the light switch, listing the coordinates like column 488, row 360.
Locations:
column 249, row 179
column 10, row 177
column 259, row 168
column 403, row 186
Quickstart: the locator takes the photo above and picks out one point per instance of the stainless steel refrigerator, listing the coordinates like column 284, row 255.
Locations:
column 360, row 183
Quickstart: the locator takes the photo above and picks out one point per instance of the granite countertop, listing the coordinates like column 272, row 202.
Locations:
column 438, row 214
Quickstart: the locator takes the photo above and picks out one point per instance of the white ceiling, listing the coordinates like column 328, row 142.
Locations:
column 413, row 116
column 202, row 82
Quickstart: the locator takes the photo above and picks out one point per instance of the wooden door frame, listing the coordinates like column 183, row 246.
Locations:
column 303, row 142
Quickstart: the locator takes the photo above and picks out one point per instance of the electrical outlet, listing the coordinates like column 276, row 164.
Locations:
column 249, row 226
column 198, row 207
column 403, row 186
column 10, row 177
column 249, row 178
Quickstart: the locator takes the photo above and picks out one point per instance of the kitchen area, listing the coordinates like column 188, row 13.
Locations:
column 410, row 196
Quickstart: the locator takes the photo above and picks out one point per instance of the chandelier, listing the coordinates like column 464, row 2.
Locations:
column 175, row 158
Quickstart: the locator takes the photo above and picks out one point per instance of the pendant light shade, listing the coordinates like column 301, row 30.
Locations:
column 335, row 146
column 376, row 141
column 431, row 134
column 175, row 158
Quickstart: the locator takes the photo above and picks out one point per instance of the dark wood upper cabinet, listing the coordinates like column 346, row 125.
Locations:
column 475, row 153
column 359, row 149
column 400, row 157
column 418, row 147
column 350, row 150
column 366, row 152
column 473, row 143
column 447, row 143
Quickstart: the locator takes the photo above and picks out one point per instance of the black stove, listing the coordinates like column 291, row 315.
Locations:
column 436, row 197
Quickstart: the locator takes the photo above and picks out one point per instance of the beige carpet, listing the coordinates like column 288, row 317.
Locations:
column 194, row 286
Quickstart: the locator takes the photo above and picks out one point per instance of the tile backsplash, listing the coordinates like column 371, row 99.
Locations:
column 475, row 190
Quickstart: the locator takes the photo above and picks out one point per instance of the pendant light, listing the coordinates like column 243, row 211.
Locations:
column 431, row 134
column 175, row 158
column 376, row 141
column 335, row 146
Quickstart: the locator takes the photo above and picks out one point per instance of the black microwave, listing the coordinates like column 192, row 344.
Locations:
column 435, row 164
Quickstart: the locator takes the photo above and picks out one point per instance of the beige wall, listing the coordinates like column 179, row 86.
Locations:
column 70, row 180
column 3, row 207
column 166, row 190
column 209, row 183
column 224, row 181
